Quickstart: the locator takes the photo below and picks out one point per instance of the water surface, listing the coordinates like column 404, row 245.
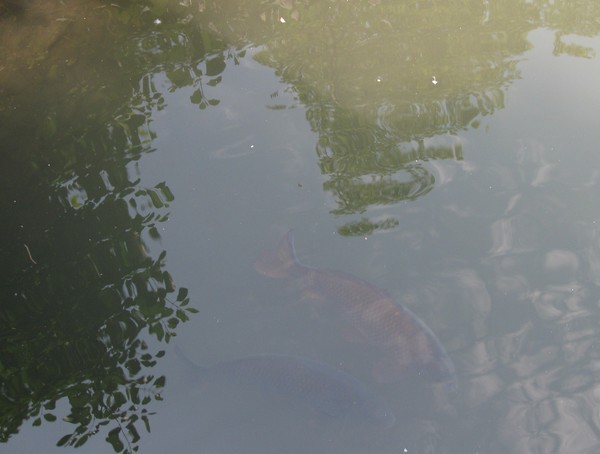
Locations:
column 446, row 153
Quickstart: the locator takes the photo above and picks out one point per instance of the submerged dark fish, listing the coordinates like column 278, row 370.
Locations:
column 405, row 342
column 328, row 390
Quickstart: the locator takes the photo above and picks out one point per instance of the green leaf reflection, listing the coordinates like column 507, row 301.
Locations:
column 382, row 81
column 86, row 298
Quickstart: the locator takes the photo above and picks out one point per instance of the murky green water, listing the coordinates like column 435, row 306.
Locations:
column 447, row 152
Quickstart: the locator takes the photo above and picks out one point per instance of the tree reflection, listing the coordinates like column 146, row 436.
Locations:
column 86, row 297
column 365, row 73
column 83, row 292
column 375, row 69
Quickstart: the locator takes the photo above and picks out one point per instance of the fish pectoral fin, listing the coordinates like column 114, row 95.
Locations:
column 316, row 309
column 316, row 314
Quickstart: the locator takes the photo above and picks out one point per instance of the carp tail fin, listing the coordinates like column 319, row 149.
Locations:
column 280, row 262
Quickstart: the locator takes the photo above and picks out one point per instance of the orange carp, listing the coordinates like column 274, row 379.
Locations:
column 404, row 341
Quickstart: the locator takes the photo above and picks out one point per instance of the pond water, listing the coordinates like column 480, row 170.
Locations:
column 446, row 153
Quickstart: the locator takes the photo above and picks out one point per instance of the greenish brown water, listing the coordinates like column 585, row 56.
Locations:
column 446, row 152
